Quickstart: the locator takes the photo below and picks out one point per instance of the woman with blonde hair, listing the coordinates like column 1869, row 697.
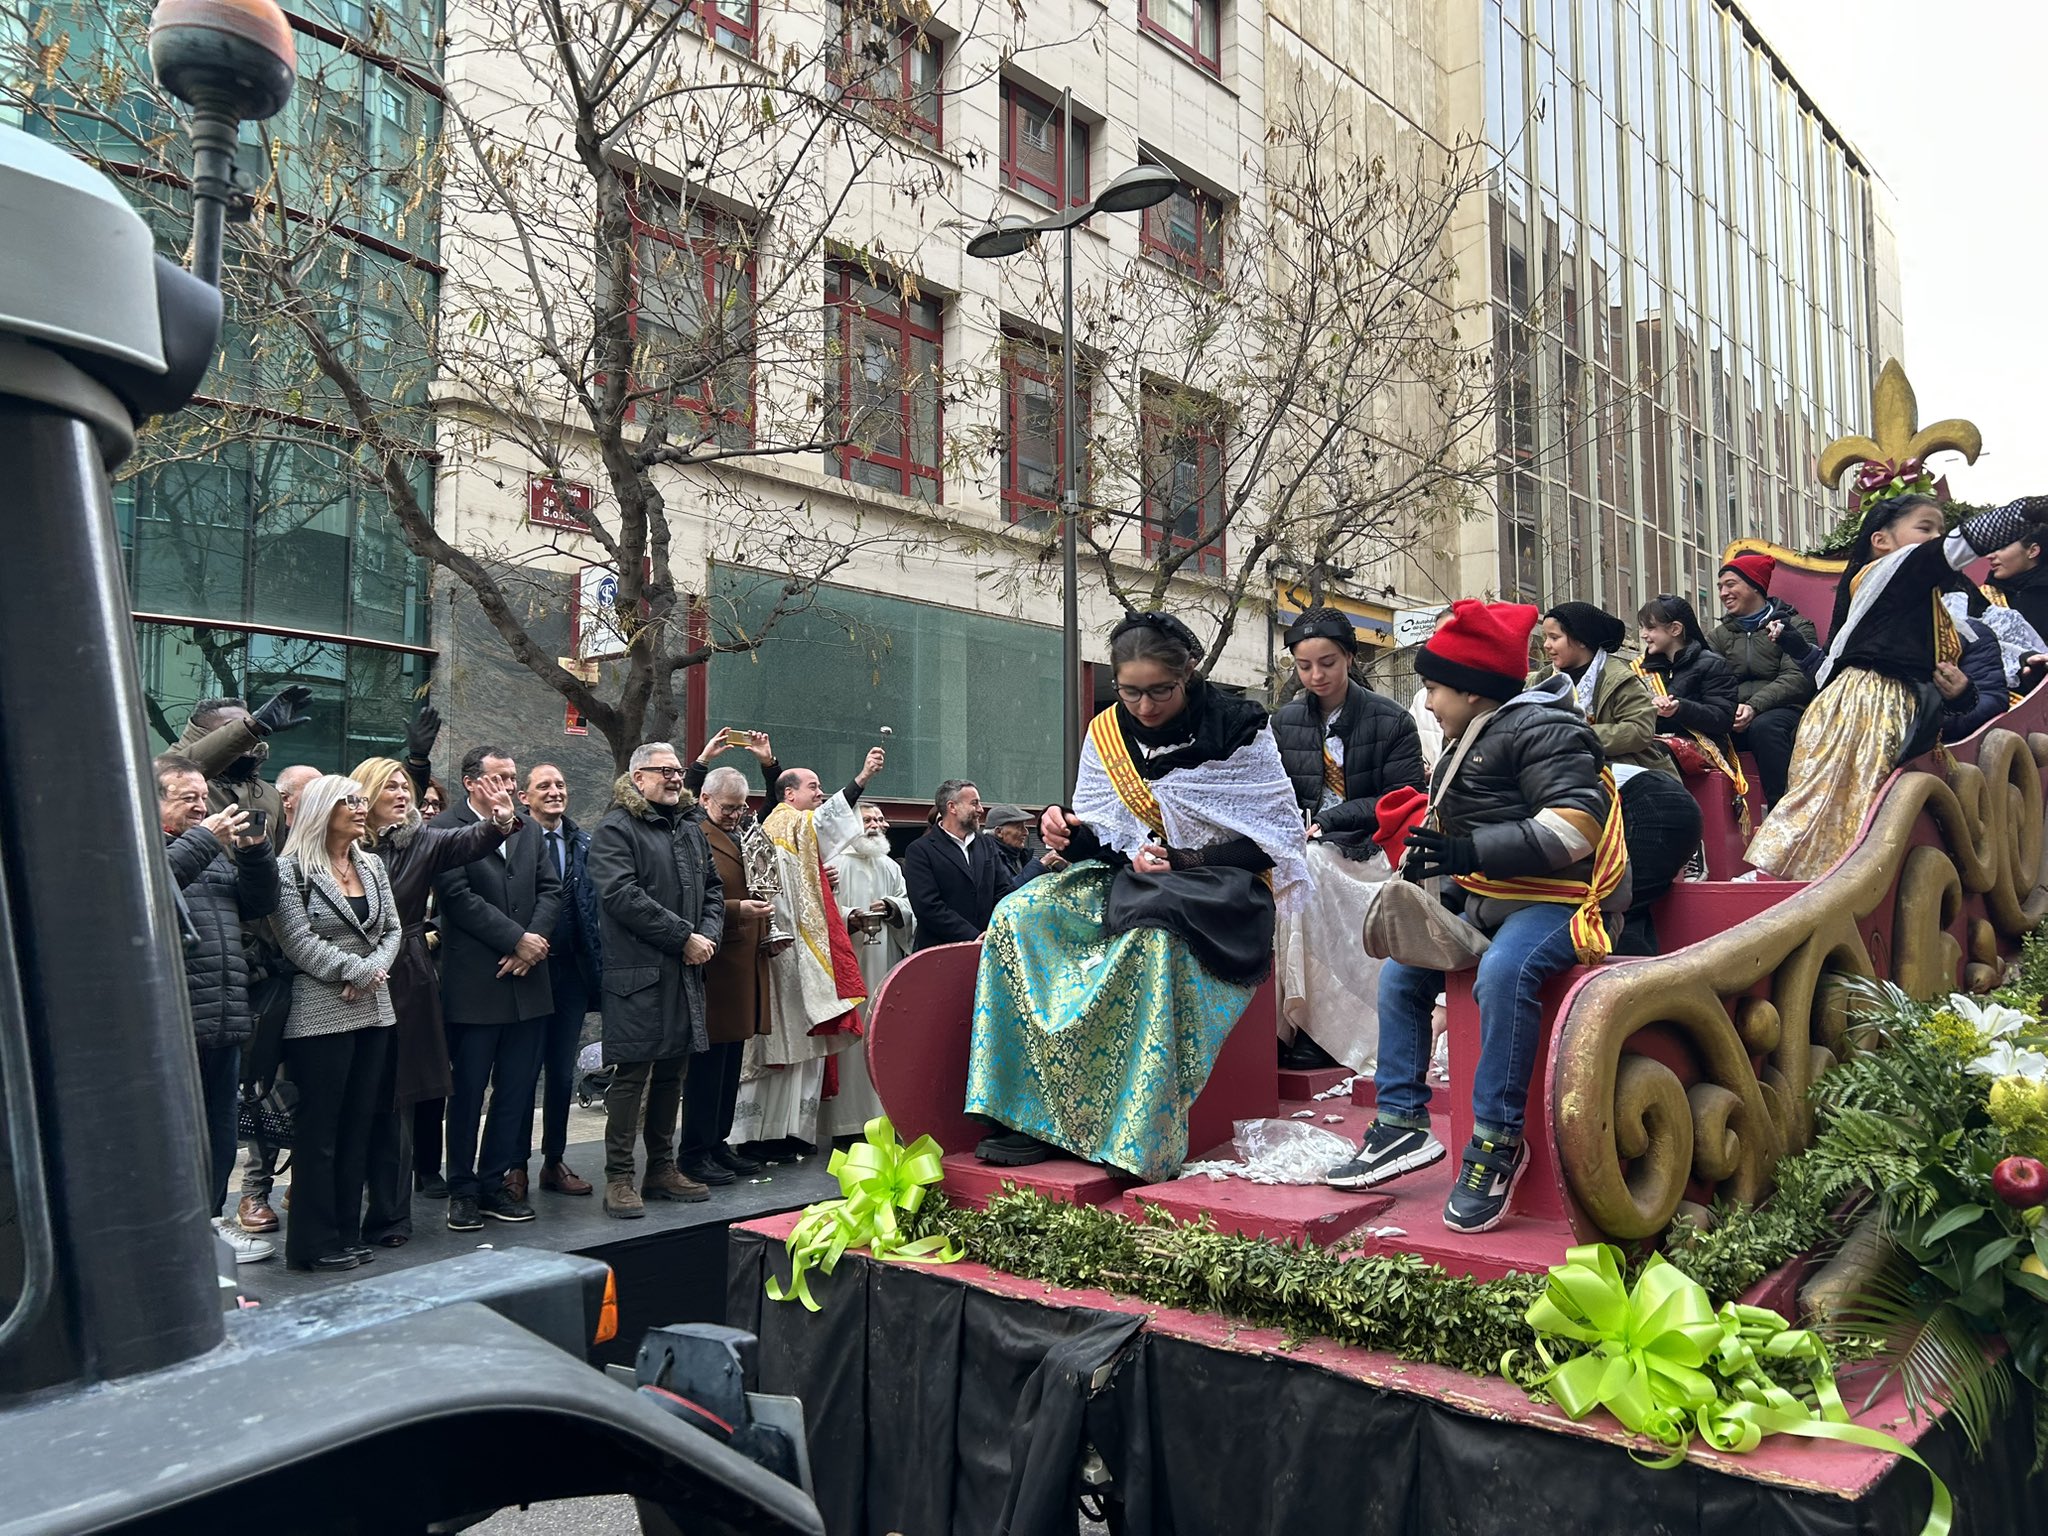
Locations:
column 416, row 1077
column 337, row 922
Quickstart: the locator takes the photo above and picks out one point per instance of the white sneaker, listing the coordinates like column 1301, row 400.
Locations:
column 248, row 1247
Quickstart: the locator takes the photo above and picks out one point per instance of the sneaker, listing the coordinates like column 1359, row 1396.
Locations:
column 746, row 1167
column 1485, row 1184
column 670, row 1184
column 502, row 1205
column 463, row 1215
column 622, row 1200
column 1387, row 1152
column 708, row 1170
column 248, row 1248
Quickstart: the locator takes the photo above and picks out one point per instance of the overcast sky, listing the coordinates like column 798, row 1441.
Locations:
column 1949, row 102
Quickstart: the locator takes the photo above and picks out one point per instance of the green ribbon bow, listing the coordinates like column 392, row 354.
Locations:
column 1667, row 1365
column 877, row 1178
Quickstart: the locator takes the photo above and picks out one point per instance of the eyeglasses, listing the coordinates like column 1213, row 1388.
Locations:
column 666, row 773
column 355, row 802
column 1158, row 693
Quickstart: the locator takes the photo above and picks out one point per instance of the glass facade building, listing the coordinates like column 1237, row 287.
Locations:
column 1684, row 292
column 262, row 556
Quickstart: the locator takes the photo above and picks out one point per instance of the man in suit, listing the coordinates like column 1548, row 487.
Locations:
column 573, row 960
column 496, row 915
column 954, row 872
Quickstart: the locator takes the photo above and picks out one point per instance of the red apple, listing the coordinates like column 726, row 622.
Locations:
column 2021, row 1182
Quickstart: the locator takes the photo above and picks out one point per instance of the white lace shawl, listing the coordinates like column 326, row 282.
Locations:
column 1246, row 794
column 1589, row 683
column 2017, row 639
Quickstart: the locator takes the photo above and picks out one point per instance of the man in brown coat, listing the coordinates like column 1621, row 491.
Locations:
column 736, row 983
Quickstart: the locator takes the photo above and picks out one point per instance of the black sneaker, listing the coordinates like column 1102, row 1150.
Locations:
column 746, row 1167
column 707, row 1170
column 502, row 1205
column 1387, row 1152
column 462, row 1214
column 1485, row 1184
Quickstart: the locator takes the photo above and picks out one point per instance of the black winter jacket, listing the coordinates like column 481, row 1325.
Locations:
column 222, row 890
column 656, row 886
column 1705, row 687
column 1537, row 753
column 1382, row 751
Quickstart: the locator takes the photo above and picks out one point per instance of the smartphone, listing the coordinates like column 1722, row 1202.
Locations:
column 259, row 822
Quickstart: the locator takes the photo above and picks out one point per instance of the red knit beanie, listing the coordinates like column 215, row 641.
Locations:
column 1484, row 649
column 1754, row 569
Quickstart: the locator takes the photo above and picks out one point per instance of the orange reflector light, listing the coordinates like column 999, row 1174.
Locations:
column 608, row 1313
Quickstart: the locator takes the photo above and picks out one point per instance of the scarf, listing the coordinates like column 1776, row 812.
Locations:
column 1589, row 683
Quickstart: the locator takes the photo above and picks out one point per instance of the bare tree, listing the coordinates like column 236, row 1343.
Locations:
column 626, row 288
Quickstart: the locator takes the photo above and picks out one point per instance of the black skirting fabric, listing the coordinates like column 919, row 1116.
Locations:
column 935, row 1408
column 1224, row 914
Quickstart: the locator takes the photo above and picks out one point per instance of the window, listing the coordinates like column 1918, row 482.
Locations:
column 728, row 23
column 1184, row 479
column 883, row 376
column 692, row 311
column 1192, row 26
column 891, row 63
column 1031, row 432
column 1034, row 150
column 1186, row 231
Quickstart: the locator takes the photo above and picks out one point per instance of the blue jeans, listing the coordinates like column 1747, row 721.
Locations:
column 1532, row 946
column 220, row 1098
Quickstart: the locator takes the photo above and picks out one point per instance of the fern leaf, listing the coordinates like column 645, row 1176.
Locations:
column 1929, row 1349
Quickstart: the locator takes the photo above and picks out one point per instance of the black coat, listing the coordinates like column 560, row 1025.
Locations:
column 222, row 890
column 1534, row 756
column 484, row 907
column 1382, row 751
column 656, row 886
column 1705, row 687
column 2028, row 594
column 952, row 895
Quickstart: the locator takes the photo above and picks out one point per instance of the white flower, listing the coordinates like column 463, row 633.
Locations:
column 2005, row 1059
column 1994, row 1021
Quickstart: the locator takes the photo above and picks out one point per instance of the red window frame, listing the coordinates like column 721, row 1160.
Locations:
column 909, row 42
column 720, row 20
column 1015, row 98
column 845, row 306
column 1022, row 359
column 712, row 250
column 1191, row 46
column 1155, row 236
column 1161, row 535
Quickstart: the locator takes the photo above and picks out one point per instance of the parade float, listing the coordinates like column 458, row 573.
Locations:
column 1807, row 1102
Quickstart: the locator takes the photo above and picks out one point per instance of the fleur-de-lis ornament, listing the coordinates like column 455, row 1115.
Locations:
column 1894, row 458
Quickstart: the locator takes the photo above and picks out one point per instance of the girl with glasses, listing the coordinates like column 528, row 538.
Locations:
column 1107, row 989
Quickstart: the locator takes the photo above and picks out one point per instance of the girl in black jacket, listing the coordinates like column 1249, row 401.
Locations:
column 1700, row 690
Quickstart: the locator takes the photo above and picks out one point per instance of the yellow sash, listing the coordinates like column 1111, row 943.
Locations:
column 1610, row 858
column 1726, row 763
column 1124, row 777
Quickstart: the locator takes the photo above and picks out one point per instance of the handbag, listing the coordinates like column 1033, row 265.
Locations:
column 1408, row 924
column 1692, row 762
column 265, row 1116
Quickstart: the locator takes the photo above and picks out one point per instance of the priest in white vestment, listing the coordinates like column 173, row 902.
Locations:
column 876, row 905
column 817, row 988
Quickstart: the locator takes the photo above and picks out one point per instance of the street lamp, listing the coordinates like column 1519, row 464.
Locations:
column 1139, row 187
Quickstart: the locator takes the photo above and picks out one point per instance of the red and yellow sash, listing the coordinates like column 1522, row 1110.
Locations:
column 1333, row 772
column 1124, row 777
column 1610, row 858
column 1728, row 764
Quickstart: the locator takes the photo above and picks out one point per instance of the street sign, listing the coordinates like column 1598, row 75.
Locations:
column 597, row 613
column 1412, row 626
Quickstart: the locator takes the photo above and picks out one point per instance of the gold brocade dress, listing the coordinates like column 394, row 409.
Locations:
column 1849, row 743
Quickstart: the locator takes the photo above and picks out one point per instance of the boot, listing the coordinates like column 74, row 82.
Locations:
column 622, row 1200
column 670, row 1184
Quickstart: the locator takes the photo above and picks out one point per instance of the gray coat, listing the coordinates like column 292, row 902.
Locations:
column 323, row 938
column 222, row 890
column 656, row 886
column 485, row 906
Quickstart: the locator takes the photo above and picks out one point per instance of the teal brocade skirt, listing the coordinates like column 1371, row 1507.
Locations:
column 1098, row 1045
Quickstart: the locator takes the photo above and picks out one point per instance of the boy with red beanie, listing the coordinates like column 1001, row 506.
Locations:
column 1771, row 689
column 1524, row 820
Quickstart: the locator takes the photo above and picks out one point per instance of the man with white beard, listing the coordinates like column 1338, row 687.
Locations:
column 876, row 905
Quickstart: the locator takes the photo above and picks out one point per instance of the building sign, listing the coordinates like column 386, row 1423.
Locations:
column 558, row 503
column 1413, row 626
column 597, row 613
column 1373, row 623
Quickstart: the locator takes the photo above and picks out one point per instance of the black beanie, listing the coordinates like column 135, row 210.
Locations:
column 1593, row 627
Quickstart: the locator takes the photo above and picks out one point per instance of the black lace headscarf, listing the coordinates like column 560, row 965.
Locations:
column 1212, row 724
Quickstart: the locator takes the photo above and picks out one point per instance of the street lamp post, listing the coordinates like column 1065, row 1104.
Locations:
column 1139, row 187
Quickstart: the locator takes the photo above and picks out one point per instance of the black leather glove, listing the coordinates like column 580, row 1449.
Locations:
column 421, row 732
column 283, row 711
column 1432, row 853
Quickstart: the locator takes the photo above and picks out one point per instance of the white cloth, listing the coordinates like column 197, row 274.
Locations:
column 866, row 876
column 1589, row 683
column 1329, row 985
column 1246, row 794
column 2017, row 639
column 779, row 1104
column 1426, row 727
